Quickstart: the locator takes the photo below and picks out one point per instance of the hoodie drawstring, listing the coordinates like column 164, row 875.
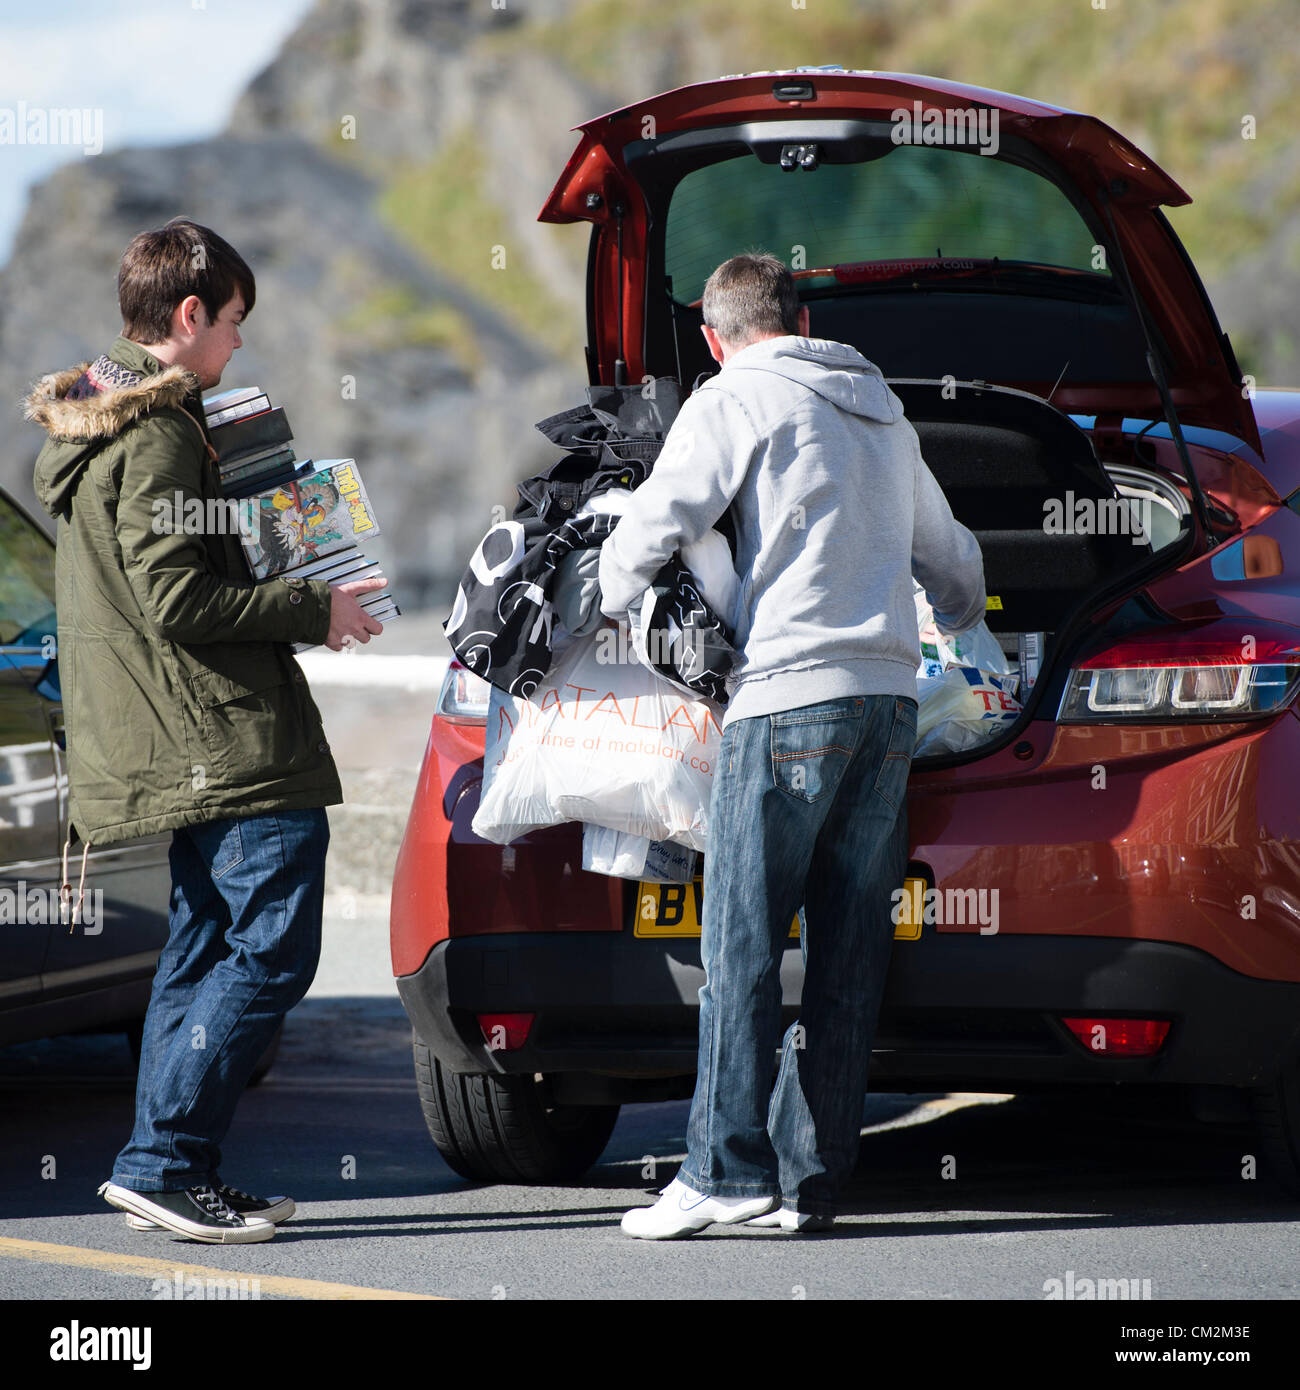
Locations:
column 65, row 888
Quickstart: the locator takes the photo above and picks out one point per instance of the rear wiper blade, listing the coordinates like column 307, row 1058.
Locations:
column 952, row 268
column 972, row 268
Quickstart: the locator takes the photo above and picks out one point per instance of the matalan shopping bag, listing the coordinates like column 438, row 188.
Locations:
column 607, row 742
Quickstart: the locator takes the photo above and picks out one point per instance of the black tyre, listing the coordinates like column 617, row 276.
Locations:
column 1277, row 1122
column 135, row 1032
column 500, row 1128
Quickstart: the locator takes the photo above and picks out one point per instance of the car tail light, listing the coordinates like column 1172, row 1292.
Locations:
column 463, row 698
column 505, row 1032
column 1120, row 1037
column 1219, row 670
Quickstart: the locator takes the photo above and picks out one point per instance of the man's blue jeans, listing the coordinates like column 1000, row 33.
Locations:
column 247, row 897
column 809, row 806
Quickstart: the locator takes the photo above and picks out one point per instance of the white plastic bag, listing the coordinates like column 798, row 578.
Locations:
column 941, row 651
column 612, row 852
column 961, row 709
column 633, row 856
column 609, row 743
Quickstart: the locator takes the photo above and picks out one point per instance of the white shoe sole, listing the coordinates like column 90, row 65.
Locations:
column 276, row 1215
column 252, row 1231
column 784, row 1221
column 684, row 1224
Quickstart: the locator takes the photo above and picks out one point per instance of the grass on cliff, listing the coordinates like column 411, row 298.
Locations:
column 395, row 316
column 1177, row 77
column 439, row 209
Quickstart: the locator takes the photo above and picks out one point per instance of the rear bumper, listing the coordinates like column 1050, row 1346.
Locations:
column 961, row 1012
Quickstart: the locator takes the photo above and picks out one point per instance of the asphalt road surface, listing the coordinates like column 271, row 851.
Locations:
column 1039, row 1189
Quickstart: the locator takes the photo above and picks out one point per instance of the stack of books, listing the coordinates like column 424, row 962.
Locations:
column 302, row 517
column 253, row 441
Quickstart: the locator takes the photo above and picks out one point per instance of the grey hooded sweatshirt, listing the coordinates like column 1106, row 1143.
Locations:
column 835, row 511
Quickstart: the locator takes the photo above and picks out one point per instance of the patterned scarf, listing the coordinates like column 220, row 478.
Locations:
column 103, row 374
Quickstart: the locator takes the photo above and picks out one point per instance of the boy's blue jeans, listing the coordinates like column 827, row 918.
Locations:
column 808, row 807
column 244, row 943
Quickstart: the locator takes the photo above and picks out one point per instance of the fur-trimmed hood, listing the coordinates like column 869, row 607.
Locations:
column 83, row 406
column 106, row 411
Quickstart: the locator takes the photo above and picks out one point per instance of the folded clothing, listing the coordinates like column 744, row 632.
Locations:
column 501, row 623
column 707, row 560
column 675, row 625
column 576, row 591
column 618, row 855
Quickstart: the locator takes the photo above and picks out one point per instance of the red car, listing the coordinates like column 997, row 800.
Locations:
column 1107, row 893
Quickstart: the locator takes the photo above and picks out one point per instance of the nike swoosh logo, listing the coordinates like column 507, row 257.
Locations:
column 684, row 1205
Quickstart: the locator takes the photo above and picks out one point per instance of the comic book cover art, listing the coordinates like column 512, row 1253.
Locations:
column 305, row 519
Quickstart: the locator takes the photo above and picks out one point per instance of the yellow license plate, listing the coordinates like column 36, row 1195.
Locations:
column 675, row 909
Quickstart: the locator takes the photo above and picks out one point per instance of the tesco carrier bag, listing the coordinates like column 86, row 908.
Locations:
column 962, row 708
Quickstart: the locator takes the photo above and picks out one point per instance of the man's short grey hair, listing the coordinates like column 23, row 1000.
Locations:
column 750, row 296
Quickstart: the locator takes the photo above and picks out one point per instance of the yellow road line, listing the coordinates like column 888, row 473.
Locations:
column 931, row 1110
column 143, row 1266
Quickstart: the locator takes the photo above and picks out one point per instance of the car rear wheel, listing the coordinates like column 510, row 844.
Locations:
column 501, row 1128
column 1277, row 1121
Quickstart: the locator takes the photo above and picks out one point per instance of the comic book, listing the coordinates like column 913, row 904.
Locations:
column 297, row 516
column 303, row 520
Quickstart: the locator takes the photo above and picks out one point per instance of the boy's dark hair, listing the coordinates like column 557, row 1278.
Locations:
column 749, row 295
column 162, row 267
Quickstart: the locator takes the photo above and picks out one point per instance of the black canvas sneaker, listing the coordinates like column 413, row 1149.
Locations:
column 273, row 1209
column 200, row 1213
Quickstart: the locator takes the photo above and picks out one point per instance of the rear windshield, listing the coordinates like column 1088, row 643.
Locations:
column 915, row 203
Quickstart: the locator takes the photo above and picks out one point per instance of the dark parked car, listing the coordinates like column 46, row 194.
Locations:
column 59, row 977
column 1017, row 282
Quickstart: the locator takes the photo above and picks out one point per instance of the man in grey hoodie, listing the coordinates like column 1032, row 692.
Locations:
column 834, row 511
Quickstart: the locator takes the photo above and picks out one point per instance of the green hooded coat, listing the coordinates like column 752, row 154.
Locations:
column 182, row 699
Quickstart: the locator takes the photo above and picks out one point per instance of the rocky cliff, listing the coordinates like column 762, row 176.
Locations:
column 371, row 169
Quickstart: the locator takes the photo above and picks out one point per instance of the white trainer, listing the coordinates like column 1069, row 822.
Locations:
column 793, row 1222
column 682, row 1211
